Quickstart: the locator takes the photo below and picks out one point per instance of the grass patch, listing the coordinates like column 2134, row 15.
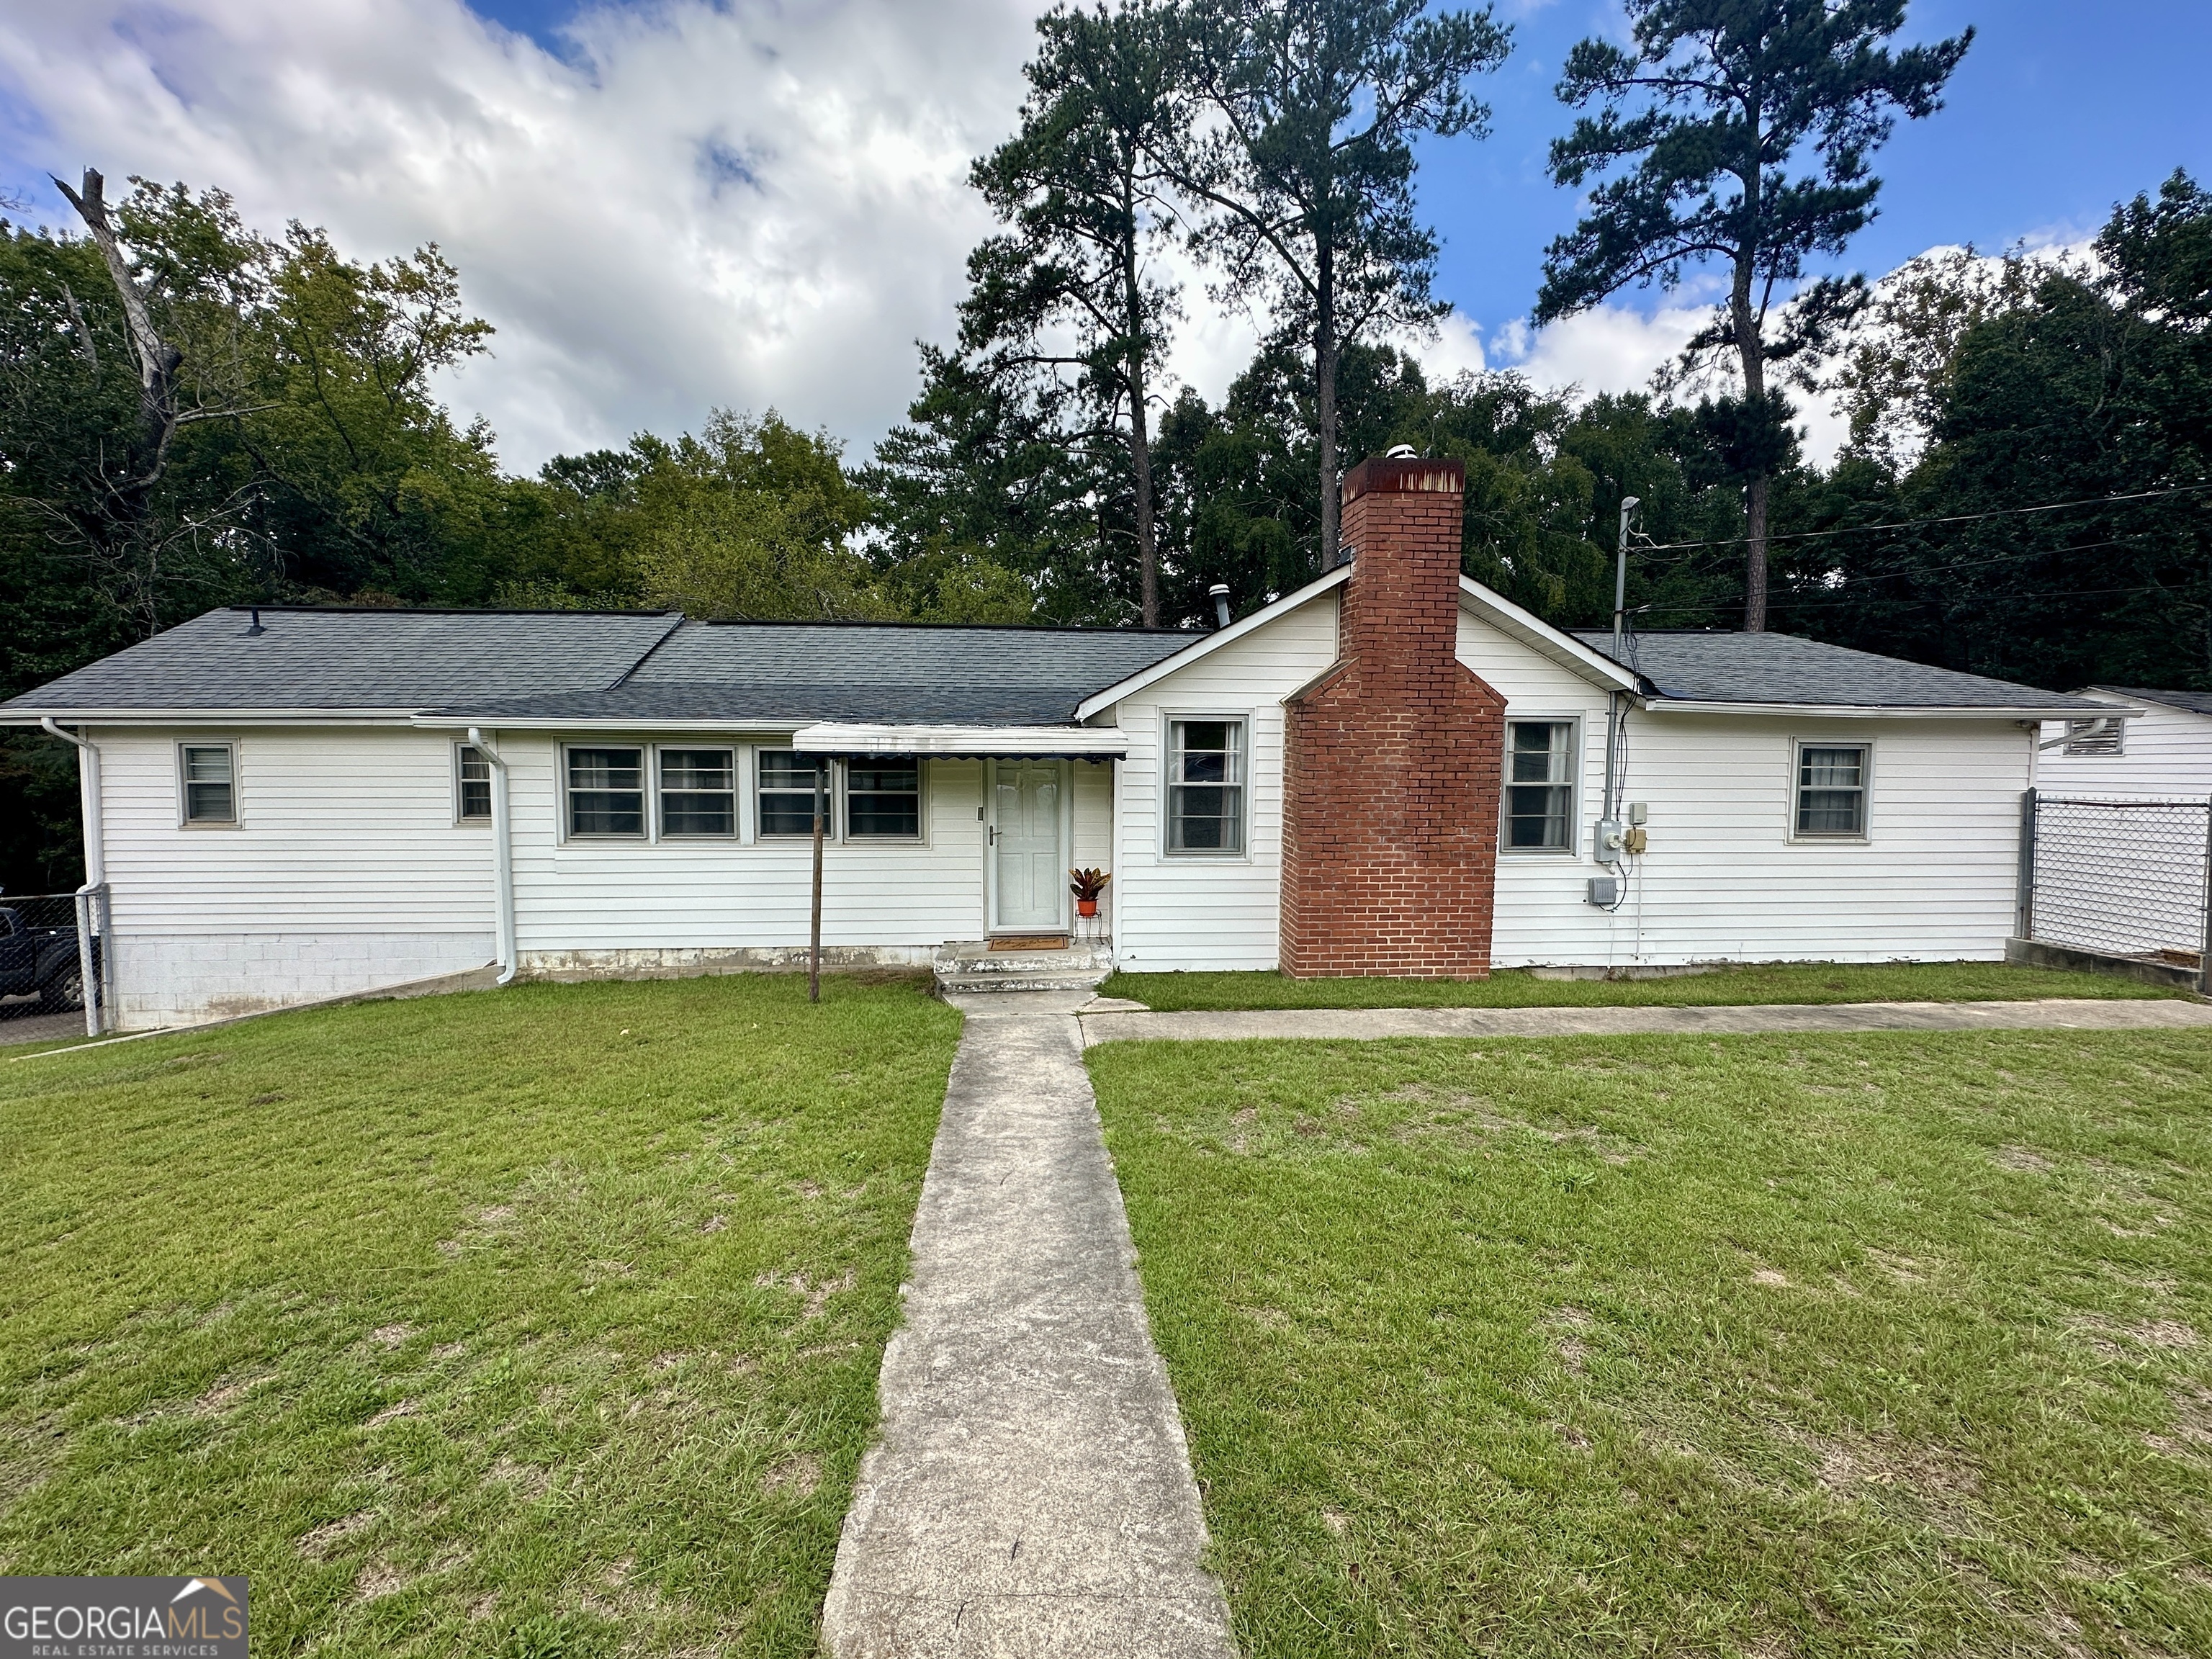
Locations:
column 523, row 1323
column 1787, row 1345
column 1797, row 982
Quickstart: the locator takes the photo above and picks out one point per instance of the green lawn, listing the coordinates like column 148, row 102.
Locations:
column 1937, row 982
column 1761, row 1346
column 527, row 1322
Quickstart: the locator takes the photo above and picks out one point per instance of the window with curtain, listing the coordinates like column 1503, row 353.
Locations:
column 1205, row 787
column 606, row 791
column 1832, row 789
column 786, row 794
column 210, row 793
column 698, row 792
column 475, row 784
column 1539, row 786
column 883, row 798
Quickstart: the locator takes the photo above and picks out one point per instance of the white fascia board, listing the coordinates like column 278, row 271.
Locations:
column 1532, row 631
column 778, row 729
column 208, row 716
column 1098, row 701
column 837, row 737
column 1833, row 711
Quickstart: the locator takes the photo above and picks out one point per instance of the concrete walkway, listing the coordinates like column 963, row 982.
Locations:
column 2063, row 1014
column 1031, row 1492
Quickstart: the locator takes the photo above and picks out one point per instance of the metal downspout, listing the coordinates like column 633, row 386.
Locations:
column 502, row 856
column 95, row 879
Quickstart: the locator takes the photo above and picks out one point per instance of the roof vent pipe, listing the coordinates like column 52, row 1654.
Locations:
column 1220, row 594
column 256, row 628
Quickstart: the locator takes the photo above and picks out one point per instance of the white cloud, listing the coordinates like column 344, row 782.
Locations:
column 749, row 204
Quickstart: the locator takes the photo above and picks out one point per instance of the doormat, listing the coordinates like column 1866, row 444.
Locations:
column 1029, row 942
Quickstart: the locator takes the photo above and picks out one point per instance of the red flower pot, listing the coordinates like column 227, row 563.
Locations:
column 1086, row 906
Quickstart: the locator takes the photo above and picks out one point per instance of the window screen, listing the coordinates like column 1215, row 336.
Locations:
column 1832, row 789
column 476, row 784
column 209, row 796
column 786, row 794
column 698, row 792
column 883, row 798
column 1539, row 790
column 1206, row 786
column 606, row 791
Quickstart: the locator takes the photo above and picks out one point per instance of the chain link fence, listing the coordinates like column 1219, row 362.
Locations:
column 53, row 959
column 2122, row 877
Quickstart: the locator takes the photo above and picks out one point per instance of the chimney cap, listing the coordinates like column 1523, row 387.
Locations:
column 1386, row 474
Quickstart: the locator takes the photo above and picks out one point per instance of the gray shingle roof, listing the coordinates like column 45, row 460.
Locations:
column 317, row 659
column 579, row 665
column 1784, row 668
column 2189, row 702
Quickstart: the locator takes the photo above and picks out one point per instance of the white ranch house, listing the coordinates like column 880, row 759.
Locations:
column 292, row 804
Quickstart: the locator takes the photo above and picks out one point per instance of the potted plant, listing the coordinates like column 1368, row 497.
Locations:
column 1086, row 886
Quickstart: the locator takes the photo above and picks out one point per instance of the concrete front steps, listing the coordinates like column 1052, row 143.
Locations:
column 973, row 965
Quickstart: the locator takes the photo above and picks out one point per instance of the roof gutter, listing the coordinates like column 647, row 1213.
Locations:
column 502, row 857
column 1660, row 705
column 96, row 872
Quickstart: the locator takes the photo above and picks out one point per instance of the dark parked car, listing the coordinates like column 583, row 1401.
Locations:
column 41, row 959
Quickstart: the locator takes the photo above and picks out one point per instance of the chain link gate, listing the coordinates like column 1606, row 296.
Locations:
column 2125, row 877
column 54, row 957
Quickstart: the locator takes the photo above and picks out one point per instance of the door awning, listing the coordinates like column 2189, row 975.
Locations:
column 964, row 741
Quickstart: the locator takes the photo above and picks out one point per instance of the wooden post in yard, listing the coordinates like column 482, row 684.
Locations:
column 814, row 947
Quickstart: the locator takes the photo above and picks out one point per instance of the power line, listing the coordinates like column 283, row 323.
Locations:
column 1916, row 524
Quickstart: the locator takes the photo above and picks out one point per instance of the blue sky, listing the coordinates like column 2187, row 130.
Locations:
column 579, row 173
column 2060, row 109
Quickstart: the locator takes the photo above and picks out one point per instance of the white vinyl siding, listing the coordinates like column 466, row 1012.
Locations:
column 2167, row 752
column 346, row 871
column 1722, row 878
column 1175, row 911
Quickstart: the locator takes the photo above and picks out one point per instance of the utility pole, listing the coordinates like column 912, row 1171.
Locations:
column 1628, row 504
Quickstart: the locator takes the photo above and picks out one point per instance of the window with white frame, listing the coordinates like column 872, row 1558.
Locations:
column 1539, row 786
column 698, row 792
column 1832, row 789
column 207, row 776
column 785, row 793
column 1206, row 786
column 606, row 791
column 883, row 798
column 471, row 785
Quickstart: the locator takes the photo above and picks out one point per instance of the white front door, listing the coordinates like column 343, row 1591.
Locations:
column 1029, row 872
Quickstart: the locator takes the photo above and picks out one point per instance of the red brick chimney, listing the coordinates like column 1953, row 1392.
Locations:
column 1392, row 759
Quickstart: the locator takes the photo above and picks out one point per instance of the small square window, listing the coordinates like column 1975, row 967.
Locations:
column 210, row 794
column 1206, row 786
column 1832, row 789
column 475, row 785
column 606, row 791
column 786, row 794
column 1540, row 787
column 698, row 792
column 883, row 798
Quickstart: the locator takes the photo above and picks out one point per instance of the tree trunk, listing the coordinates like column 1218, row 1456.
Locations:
column 1325, row 397
column 1748, row 349
column 1140, row 442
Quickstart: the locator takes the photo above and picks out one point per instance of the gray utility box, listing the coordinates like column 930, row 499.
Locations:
column 1605, row 891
